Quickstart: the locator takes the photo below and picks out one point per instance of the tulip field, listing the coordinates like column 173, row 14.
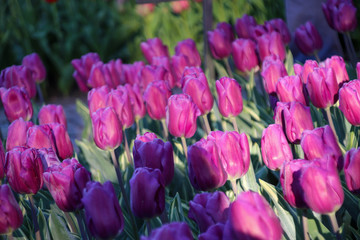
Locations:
column 261, row 146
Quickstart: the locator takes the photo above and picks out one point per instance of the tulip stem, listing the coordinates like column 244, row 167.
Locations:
column 183, row 142
column 305, row 226
column 81, row 227
column 317, row 56
column 34, row 218
column 70, row 222
column 40, row 95
column 127, row 205
column 127, row 150
column 165, row 130
column 207, row 125
column 228, row 68
column 137, row 127
column 10, row 236
column 350, row 49
column 331, row 123
column 148, row 225
column 234, row 187
column 335, row 226
column 233, row 120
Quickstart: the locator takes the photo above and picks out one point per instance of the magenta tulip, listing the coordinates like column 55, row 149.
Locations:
column 48, row 157
column 165, row 62
column 352, row 169
column 130, row 72
column 18, row 76
column 151, row 73
column 147, row 137
column 154, row 48
column 34, row 63
column 230, row 98
column 179, row 63
column 16, row 104
column 279, row 26
column 188, row 48
column 308, row 39
column 271, row 44
column 349, row 101
column 156, row 98
column 52, row 113
column 244, row 54
column 64, row 147
column 17, row 132
column 190, row 72
column 220, row 40
column 272, row 69
column 137, row 101
column 244, row 26
column 173, row 231
column 120, row 101
column 290, row 88
column 338, row 65
column 97, row 98
column 12, row 216
column 40, row 136
column 2, row 161
column 308, row 68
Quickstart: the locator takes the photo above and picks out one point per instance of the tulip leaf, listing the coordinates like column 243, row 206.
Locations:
column 176, row 210
column 44, row 229
column 289, row 63
column 248, row 182
column 83, row 111
column 58, row 226
column 220, row 69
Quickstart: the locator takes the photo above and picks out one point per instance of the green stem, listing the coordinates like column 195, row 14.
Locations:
column 233, row 120
column 207, row 125
column 81, row 227
column 317, row 56
column 335, row 226
column 305, row 226
column 183, row 142
column 70, row 222
column 228, row 68
column 234, row 187
column 34, row 218
column 331, row 123
column 165, row 130
column 137, row 127
column 127, row 150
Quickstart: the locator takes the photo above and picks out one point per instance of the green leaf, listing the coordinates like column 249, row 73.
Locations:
column 220, row 69
column 44, row 229
column 176, row 211
column 58, row 227
column 83, row 110
column 289, row 63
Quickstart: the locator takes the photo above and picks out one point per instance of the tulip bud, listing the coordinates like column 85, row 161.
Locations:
column 40, row 136
column 24, row 170
column 18, row 76
column 298, row 69
column 16, row 104
column 130, row 73
column 257, row 211
column 271, row 44
column 98, row 75
column 308, row 39
column 178, row 63
column 290, row 88
column 52, row 113
column 244, row 26
column 34, row 63
column 66, row 182
column 17, row 132
column 120, row 101
column 107, row 128
column 199, row 90
column 103, row 215
column 137, row 101
column 275, row 153
column 151, row 73
column 205, row 169
column 10, row 211
column 349, row 102
column 2, row 160
column 165, row 62
column 97, row 98
column 272, row 69
column 113, row 71
column 337, row 64
column 64, row 147
column 279, row 26
column 214, row 232
column 230, row 98
column 340, row 15
column 308, row 68
column 147, row 192
column 322, row 87
column 352, row 169
column 244, row 54
column 151, row 152
column 189, row 73
column 207, row 209
column 258, row 31
column 173, row 231
column 220, row 40
column 48, row 157
column 156, row 97
column 154, row 48
column 188, row 48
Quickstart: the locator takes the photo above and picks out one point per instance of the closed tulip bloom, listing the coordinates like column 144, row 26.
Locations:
column 230, row 98
column 130, row 72
column 11, row 215
column 205, row 169
column 66, row 182
column 280, row 26
column 244, row 54
column 352, row 169
column 174, row 231
column 260, row 30
column 207, row 209
column 165, row 62
column 97, row 98
column 244, row 26
column 16, row 104
column 98, row 75
column 48, row 157
column 261, row 221
column 272, row 69
column 181, row 115
column 340, row 15
column 64, row 147
column 147, row 192
column 40, row 136
column 103, row 215
column 151, row 73
column 156, row 97
column 137, row 101
column 154, row 48
column 290, row 88
column 308, row 68
column 107, row 129
column 349, row 101
column 119, row 99
column 220, row 41
column 338, row 65
column 52, row 113
column 214, row 232
column 24, row 170
column 275, row 153
column 199, row 90
column 190, row 72
column 325, row 195
column 34, row 63
column 178, row 63
column 271, row 44
column 298, row 69
column 113, row 70
column 188, row 48
column 150, row 151
column 18, row 76
column 308, row 39
column 2, row 160
column 17, row 132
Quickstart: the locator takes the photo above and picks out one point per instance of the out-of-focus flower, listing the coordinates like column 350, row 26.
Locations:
column 220, row 40
column 244, row 54
column 113, row 73
column 52, row 113
column 308, row 39
column 230, row 98
column 137, row 101
column 119, row 100
column 151, row 73
column 349, row 101
column 178, row 63
column 179, row 6
column 17, row 132
column 156, row 97
column 272, row 69
column 174, row 231
column 214, row 232
column 10, row 211
column 169, row 75
column 98, row 75
column 16, row 103
column 34, row 63
column 244, row 26
column 154, row 48
column 340, row 15
column 271, row 44
column 290, row 88
column 145, row 9
column 190, row 72
column 352, row 169
column 337, row 63
column 18, row 76
column 188, row 48
column 130, row 72
column 97, row 98
column 358, row 70
column 2, row 160
column 308, row 68
column 277, row 24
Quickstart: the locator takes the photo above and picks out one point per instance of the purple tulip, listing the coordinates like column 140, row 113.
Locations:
column 271, row 44
column 214, row 232
column 349, row 101
column 352, row 169
column 98, row 76
column 290, row 88
column 103, row 215
column 279, row 26
column 220, row 40
column 34, row 63
column 16, row 104
column 130, row 72
column 308, row 39
column 48, row 157
column 230, row 98
column 151, row 73
column 64, row 147
column 97, row 98
column 18, row 76
column 308, row 68
column 173, row 231
column 340, row 15
column 154, row 48
column 188, row 48
column 17, row 132
column 147, row 137
column 165, row 62
column 114, row 72
column 338, row 65
column 244, row 26
column 189, row 73
column 137, row 101
column 244, row 54
column 10, row 211
column 52, row 113
column 40, row 136
column 2, row 161
column 156, row 97
column 358, row 70
column 120, row 101
column 179, row 63
column 272, row 69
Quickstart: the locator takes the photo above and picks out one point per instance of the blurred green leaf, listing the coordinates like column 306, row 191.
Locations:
column 58, row 226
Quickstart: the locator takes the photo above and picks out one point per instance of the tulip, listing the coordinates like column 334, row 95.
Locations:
column 174, row 231
column 325, row 195
column 179, row 63
column 181, row 115
column 24, row 170
column 187, row 48
column 308, row 68
column 150, row 73
column 66, row 182
column 207, row 209
column 352, row 169
column 114, row 70
column 275, row 153
column 189, row 73
column 220, row 40
column 137, row 101
column 64, row 147
column 156, row 97
column 147, row 192
column 322, row 87
column 358, row 70
column 179, row 6
column 272, row 69
column 234, row 152
column 97, row 98
column 98, row 75
column 48, row 157
column 205, row 169
column 82, row 68
column 145, row 9
column 294, row 118
column 214, row 232
column 230, row 98
column 17, row 132
column 290, row 88
column 107, row 128
column 40, row 137
column 279, row 26
column 244, row 26
column 261, row 221
column 271, row 44
column 16, row 104
column 349, row 101
column 320, row 143
column 103, row 215
column 338, row 65
column 244, row 54
column 2, row 160
column 165, row 62
column 308, row 39
column 120, row 101
column 199, row 90
column 52, row 113
column 151, row 152
column 10, row 211
column 298, row 69
column 340, row 15
column 260, row 30
column 130, row 72
column 18, row 76
column 34, row 63
column 154, row 48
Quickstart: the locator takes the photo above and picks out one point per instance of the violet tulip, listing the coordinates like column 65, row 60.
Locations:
column 24, row 170
column 173, row 231
column 340, row 15
column 220, row 40
column 130, row 72
column 207, row 209
column 199, row 90
column 52, row 113
column 244, row 26
column 214, row 232
column 156, row 97
column 147, row 192
column 48, row 157
column 352, row 169
column 10, row 211
column 137, row 101
column 151, row 73
column 107, row 129
column 272, row 69
column 205, row 168
column 338, row 65
column 279, row 26
column 34, row 63
column 120, row 101
column 290, row 88
column 349, row 101
column 154, row 48
column 97, row 98
column 103, row 215
column 16, row 104
column 275, row 153
column 147, row 137
column 244, row 54
column 165, row 62
column 2, row 161
column 98, row 76
column 190, row 72
column 271, row 44
column 17, row 132
column 230, row 98
column 262, row 222
column 114, row 72
column 64, row 147
column 308, row 68
column 188, row 48
column 18, row 76
column 178, row 63
column 308, row 39
column 40, row 136
column 66, row 182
